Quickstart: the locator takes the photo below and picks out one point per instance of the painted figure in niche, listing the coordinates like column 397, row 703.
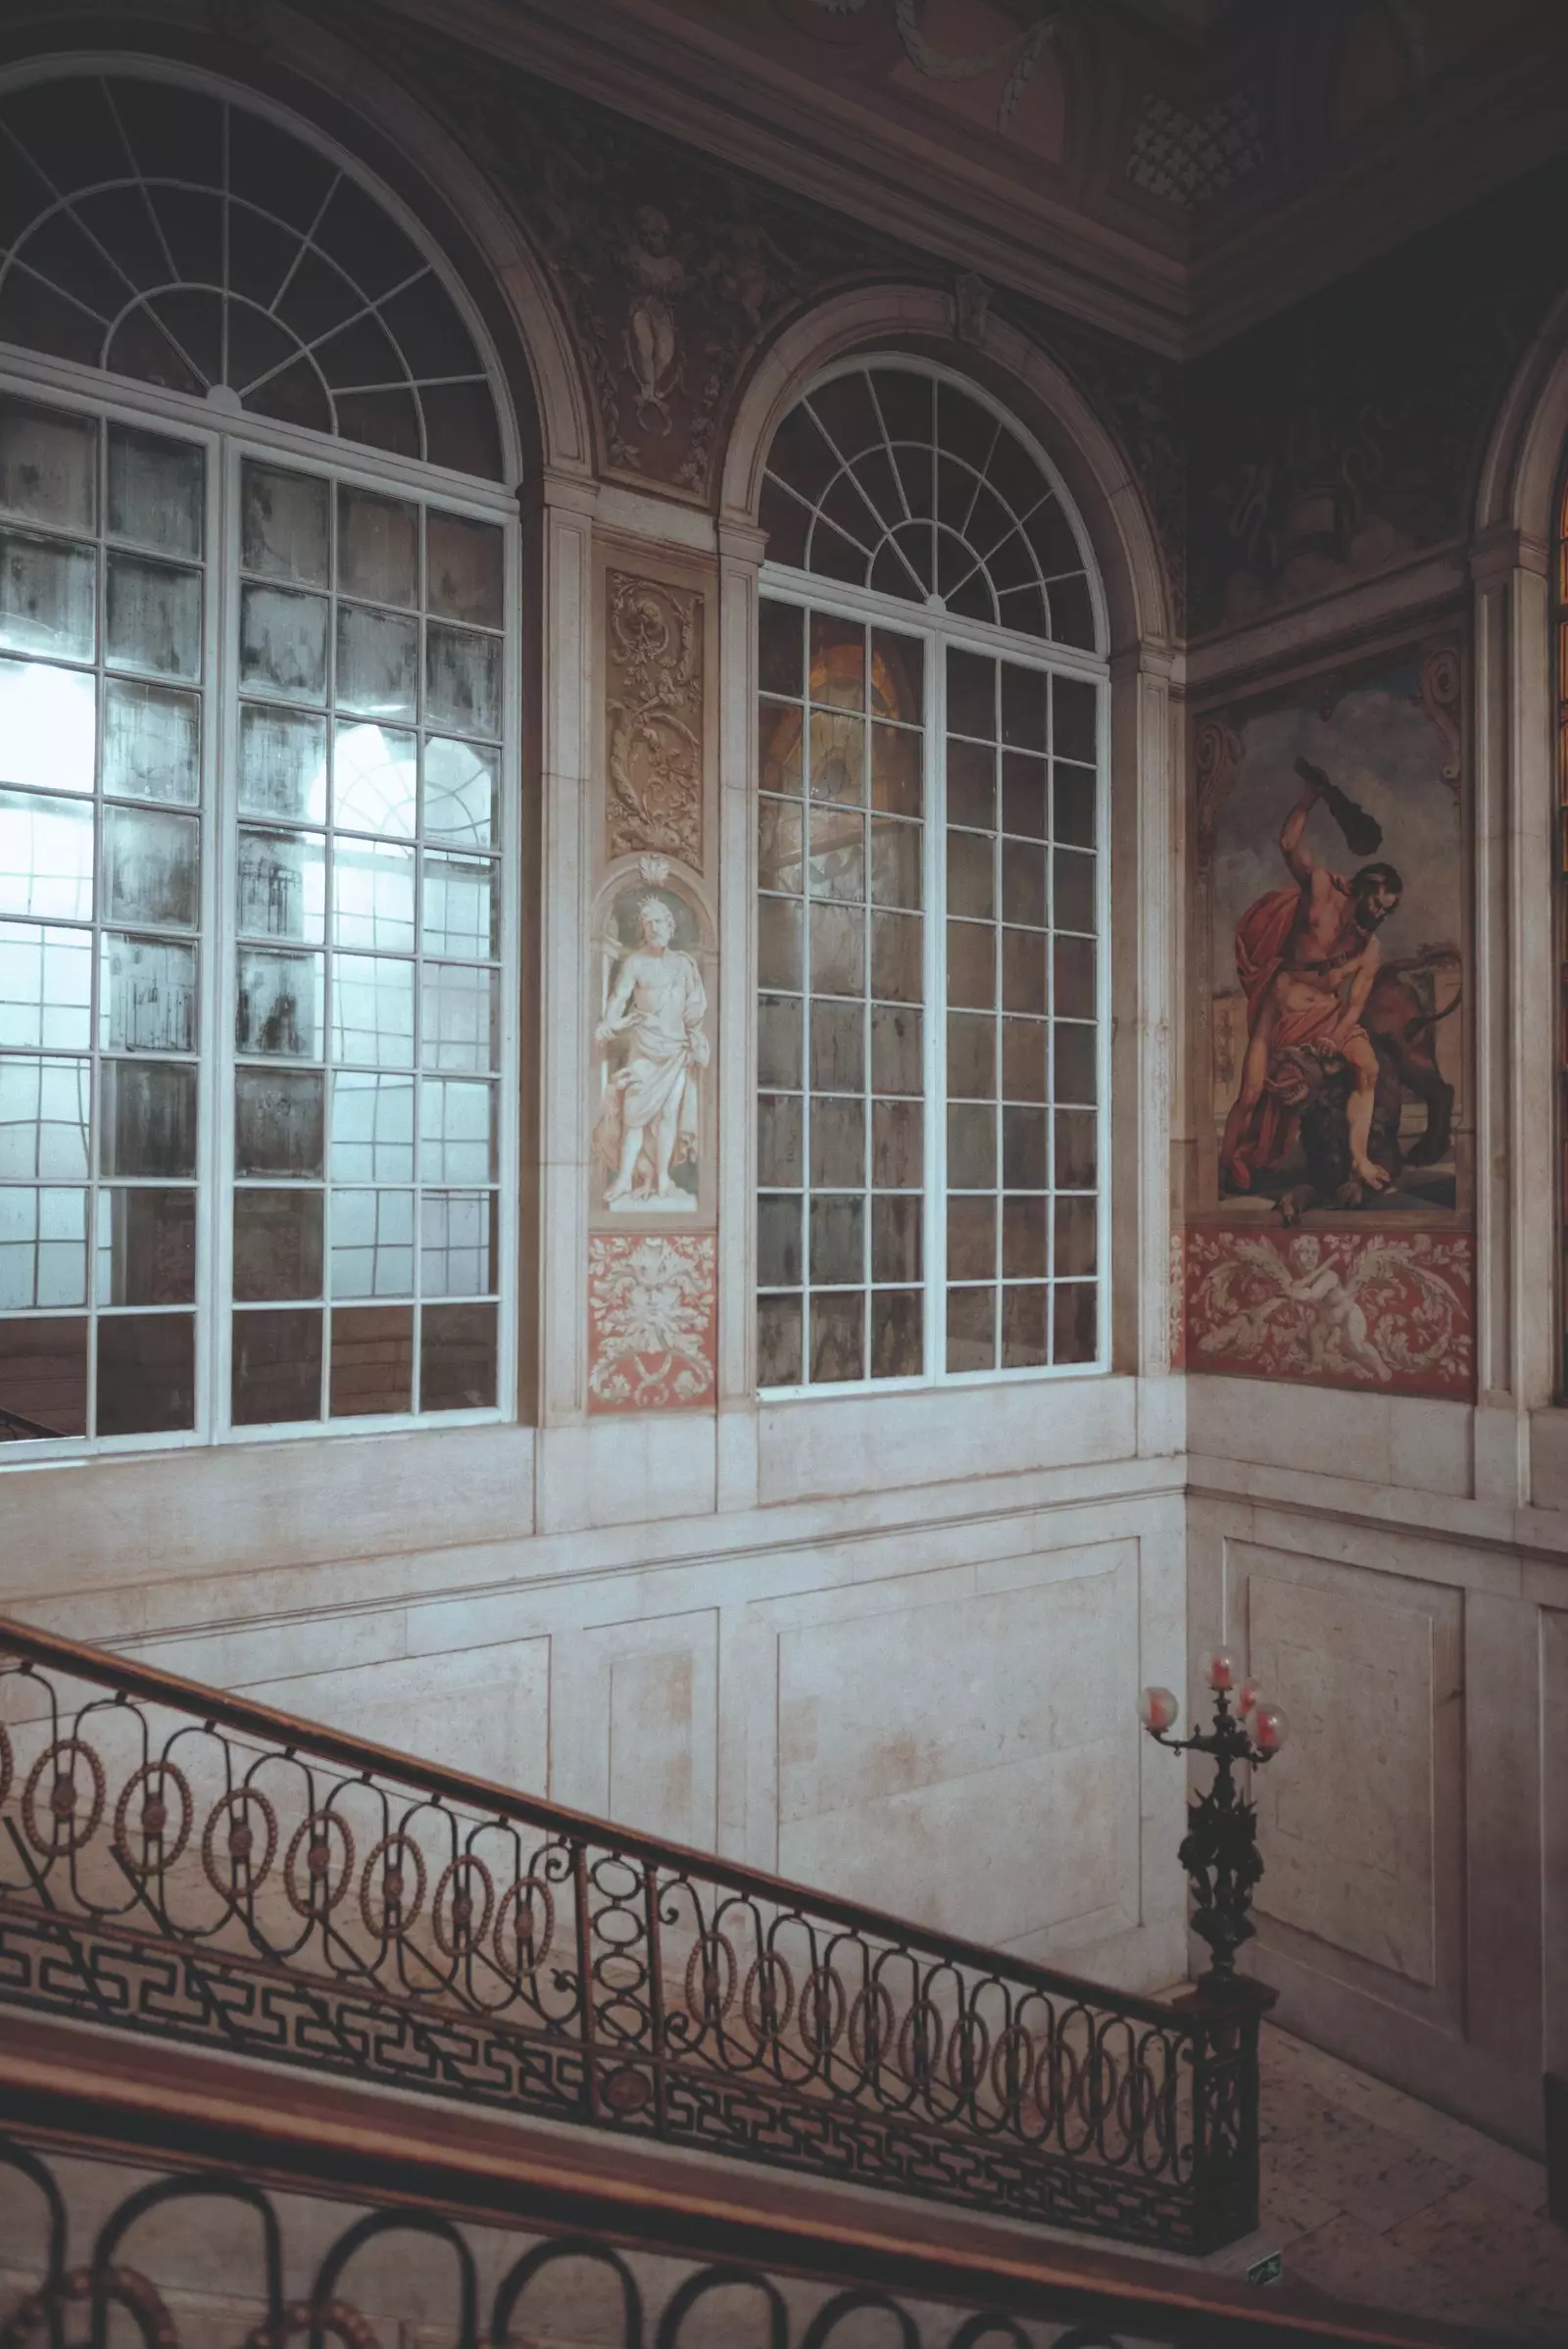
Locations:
column 1307, row 957
column 1336, row 1062
column 649, row 1126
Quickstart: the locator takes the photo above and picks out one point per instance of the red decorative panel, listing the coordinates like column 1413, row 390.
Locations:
column 653, row 1306
column 1385, row 1312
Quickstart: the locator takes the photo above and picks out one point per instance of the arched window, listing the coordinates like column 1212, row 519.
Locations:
column 257, row 822
column 931, row 919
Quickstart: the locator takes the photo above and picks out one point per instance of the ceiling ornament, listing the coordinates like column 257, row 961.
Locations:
column 1019, row 53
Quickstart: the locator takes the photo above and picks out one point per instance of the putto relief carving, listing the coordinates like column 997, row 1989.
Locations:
column 652, row 1321
column 654, row 719
column 653, row 1050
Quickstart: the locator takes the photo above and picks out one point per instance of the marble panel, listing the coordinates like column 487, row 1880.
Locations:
column 848, row 1444
column 1555, row 1832
column 1347, row 1816
column 959, row 1755
column 635, row 1710
column 485, row 1711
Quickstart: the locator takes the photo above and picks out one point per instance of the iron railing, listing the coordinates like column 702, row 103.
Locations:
column 213, row 2254
column 178, row 1862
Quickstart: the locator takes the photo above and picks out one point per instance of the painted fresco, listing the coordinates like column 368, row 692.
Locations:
column 1330, row 834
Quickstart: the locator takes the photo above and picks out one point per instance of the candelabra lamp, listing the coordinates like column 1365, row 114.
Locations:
column 1219, row 1850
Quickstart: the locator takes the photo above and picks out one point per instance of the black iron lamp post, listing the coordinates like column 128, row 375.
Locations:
column 1219, row 1852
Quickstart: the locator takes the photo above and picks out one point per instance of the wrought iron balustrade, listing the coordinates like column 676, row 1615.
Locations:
column 178, row 1862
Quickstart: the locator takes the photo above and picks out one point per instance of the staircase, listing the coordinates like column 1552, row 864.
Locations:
column 260, row 1963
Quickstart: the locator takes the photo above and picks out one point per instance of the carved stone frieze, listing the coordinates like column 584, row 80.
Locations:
column 653, row 719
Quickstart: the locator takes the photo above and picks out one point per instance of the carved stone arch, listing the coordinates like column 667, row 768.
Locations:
column 343, row 101
column 923, row 322
column 1519, row 476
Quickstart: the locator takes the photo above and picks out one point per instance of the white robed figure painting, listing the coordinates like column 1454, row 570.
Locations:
column 649, row 1119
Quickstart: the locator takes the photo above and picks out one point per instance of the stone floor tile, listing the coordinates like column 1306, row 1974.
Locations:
column 1352, row 2262
column 1481, row 2240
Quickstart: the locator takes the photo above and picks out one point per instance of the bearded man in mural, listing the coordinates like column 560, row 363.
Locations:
column 1308, row 957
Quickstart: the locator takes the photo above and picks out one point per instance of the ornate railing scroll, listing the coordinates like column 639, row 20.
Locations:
column 183, row 1863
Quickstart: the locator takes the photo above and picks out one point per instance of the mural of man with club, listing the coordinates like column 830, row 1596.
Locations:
column 1306, row 957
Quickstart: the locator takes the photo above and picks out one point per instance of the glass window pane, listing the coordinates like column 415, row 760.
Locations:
column 970, row 869
column 46, row 857
column 1077, row 1150
column 460, row 794
column 276, row 1368
column 282, row 765
column 457, row 1244
column 778, row 1342
column 373, row 896
column 1075, row 1318
column 156, row 490
column 278, row 1122
column 898, row 775
column 461, row 906
column 896, row 878
column 377, row 652
column 1073, row 890
column 779, row 943
column 1024, row 795
column 378, row 547
column 278, row 1007
column 152, row 743
column 146, row 1373
column 897, row 1225
column 152, row 866
column 43, row 1249
column 838, row 758
column 372, row 1010
column 971, row 785
column 838, row 1240
column 282, row 643
column 372, row 1361
column 464, row 569
column 780, row 658
column 463, row 680
column 778, row 1239
column 898, row 1148
column 1074, row 719
column 374, row 781
column 1075, row 1063
column 838, row 1337
column 780, row 749
column 898, row 1047
column 372, row 1128
column 972, row 1057
column 897, row 949
column 48, row 727
column 282, row 884
column 1025, row 1331
column 778, row 1040
column 1076, row 978
column 838, row 661
column 1024, row 1248
column 972, row 963
column 277, row 1245
column 458, row 1137
column 780, row 860
column 838, row 1141
column 838, row 1047
column 1023, row 883
column 372, row 1243
column 971, row 1329
column 43, row 1378
column 146, row 1117
column 48, row 597
column 45, row 1117
column 283, row 524
column 146, row 1247
column 836, row 867
column 153, row 617
column 48, row 464
column 971, row 1146
column 971, row 696
column 459, row 1018
column 896, row 1348
column 1023, row 1060
column 45, row 987
column 838, row 949
column 971, row 1239
column 146, row 995
column 1072, row 806
column 1024, row 1149
column 458, row 1357
column 779, row 1130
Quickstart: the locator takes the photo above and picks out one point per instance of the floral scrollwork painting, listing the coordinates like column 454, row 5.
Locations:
column 654, row 719
column 652, row 1320
column 1387, row 1314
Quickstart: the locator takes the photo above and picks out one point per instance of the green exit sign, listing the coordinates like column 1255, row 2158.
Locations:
column 1267, row 2271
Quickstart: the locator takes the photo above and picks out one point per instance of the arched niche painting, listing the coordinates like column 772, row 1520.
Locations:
column 653, row 1101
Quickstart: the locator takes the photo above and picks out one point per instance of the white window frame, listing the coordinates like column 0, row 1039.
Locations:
column 229, row 433
column 939, row 630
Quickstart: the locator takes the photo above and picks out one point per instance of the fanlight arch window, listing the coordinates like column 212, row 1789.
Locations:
column 909, row 485
column 258, row 797
column 932, row 894
column 166, row 234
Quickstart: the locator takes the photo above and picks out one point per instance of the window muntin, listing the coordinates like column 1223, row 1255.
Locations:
column 104, row 667
column 905, row 484
column 164, row 233
column 368, row 957
column 308, row 1002
column 931, row 1043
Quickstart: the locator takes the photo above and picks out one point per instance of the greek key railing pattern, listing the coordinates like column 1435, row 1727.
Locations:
column 177, row 1862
